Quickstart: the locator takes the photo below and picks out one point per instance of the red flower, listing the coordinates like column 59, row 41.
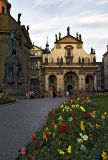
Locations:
column 53, row 112
column 88, row 114
column 73, row 125
column 71, row 131
column 71, row 111
column 64, row 126
column 33, row 137
column 47, row 117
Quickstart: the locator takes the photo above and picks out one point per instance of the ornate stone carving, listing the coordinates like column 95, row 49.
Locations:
column 13, row 68
column 13, row 71
column 68, row 31
column 12, row 43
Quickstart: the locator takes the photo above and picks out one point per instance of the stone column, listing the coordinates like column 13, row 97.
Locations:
column 46, row 82
column 95, row 83
column 60, row 82
column 83, row 82
column 80, row 82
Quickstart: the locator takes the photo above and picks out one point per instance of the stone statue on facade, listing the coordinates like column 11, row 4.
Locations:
column 12, row 43
column 56, row 39
column 77, row 35
column 68, row 31
column 27, row 28
column 19, row 16
column 13, row 69
column 59, row 35
column 91, row 50
column 80, row 37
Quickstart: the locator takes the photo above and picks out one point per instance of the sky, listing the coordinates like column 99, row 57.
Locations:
column 49, row 17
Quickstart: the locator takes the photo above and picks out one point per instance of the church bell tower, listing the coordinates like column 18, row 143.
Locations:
column 5, row 6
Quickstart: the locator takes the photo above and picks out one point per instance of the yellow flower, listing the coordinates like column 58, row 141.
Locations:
column 82, row 126
column 67, row 107
column 97, row 126
column 77, row 106
column 44, row 136
column 55, row 127
column 82, row 108
column 104, row 155
column 93, row 112
column 61, row 152
column 47, row 129
column 73, row 106
column 61, row 106
column 69, row 149
column 105, row 113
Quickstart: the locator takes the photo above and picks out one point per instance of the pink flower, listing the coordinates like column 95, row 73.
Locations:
column 89, row 100
column 23, row 151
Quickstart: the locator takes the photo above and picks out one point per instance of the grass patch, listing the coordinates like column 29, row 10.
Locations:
column 102, row 102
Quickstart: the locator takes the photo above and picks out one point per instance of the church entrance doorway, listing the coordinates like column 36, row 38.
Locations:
column 71, row 81
column 69, row 88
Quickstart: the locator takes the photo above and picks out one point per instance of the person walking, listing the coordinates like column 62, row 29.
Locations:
column 50, row 91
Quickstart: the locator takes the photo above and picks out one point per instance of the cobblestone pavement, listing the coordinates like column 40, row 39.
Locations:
column 18, row 121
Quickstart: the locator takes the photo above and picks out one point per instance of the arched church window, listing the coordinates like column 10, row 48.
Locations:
column 79, row 60
column 58, row 60
column 82, row 60
column 46, row 60
column 3, row 9
column 68, row 53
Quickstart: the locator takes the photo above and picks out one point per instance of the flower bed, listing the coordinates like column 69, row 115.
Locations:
column 5, row 99
column 76, row 130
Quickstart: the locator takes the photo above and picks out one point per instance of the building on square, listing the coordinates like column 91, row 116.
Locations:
column 105, row 56
column 36, row 70
column 68, row 66
column 15, row 44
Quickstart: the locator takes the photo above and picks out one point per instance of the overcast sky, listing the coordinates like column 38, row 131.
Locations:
column 49, row 17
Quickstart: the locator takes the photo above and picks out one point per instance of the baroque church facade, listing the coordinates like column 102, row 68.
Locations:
column 68, row 66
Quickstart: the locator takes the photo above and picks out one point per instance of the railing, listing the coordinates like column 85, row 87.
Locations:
column 72, row 64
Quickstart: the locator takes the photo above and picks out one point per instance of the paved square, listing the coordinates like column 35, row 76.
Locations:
column 18, row 121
